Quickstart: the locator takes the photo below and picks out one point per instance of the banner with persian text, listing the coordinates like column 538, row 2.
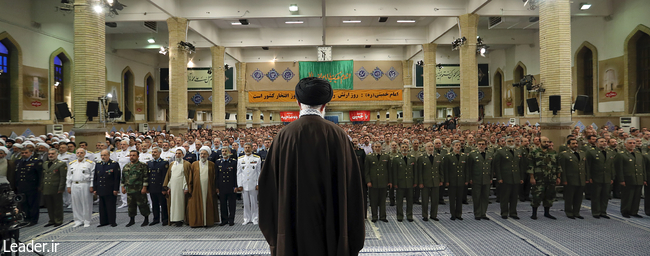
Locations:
column 360, row 116
column 339, row 95
column 338, row 73
column 289, row 116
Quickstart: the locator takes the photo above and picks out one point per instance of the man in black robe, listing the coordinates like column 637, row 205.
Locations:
column 310, row 188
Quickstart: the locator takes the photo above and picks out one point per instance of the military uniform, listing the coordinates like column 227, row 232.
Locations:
column 430, row 176
column 79, row 180
column 145, row 157
column 67, row 157
column 600, row 165
column 441, row 191
column 416, row 191
column 457, row 176
column 27, row 181
column 630, row 167
column 190, row 157
column 134, row 178
column 377, row 173
column 53, row 187
column 572, row 168
column 168, row 156
column 391, row 190
column 543, row 167
column 105, row 181
column 157, row 172
column 507, row 166
column 226, row 184
column 524, row 191
column 361, row 156
column 122, row 158
column 248, row 173
column 404, row 178
column 480, row 171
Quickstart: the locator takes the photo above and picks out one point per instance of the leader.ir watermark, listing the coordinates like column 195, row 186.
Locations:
column 29, row 247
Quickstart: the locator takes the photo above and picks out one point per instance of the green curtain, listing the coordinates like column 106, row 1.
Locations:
column 338, row 73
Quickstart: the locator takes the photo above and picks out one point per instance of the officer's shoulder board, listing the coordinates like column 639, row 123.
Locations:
column 241, row 157
column 89, row 161
column 254, row 155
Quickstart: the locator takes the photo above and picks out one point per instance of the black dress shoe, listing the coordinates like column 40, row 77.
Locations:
column 410, row 220
column 154, row 223
column 418, row 202
column 102, row 225
column 465, row 202
column 504, row 217
column 604, row 216
column 571, row 217
column 384, row 220
column 48, row 224
column 165, row 223
column 597, row 217
column 231, row 224
column 441, row 202
column 425, row 219
column 580, row 217
column 514, row 217
column 460, row 218
column 179, row 224
column 436, row 219
column 477, row 218
column 633, row 215
column 485, row 218
column 399, row 220
column 626, row 215
column 31, row 224
column 114, row 225
column 374, row 220
column 59, row 224
column 392, row 204
column 453, row 218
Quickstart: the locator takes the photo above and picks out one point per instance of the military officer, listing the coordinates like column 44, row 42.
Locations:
column 573, row 176
column 227, row 186
column 430, row 178
column 122, row 157
column 394, row 152
column 480, row 170
column 66, row 157
column 157, row 171
column 27, row 180
column 437, row 144
column 135, row 180
column 404, row 177
column 167, row 154
column 506, row 165
column 417, row 153
column 631, row 170
column 542, row 171
column 189, row 156
column 378, row 178
column 600, row 165
column 456, row 178
column 52, row 187
column 106, row 183
column 79, row 183
column 248, row 173
column 524, row 192
column 144, row 156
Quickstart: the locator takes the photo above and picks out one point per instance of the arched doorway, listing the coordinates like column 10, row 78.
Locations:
column 520, row 95
column 643, row 74
column 61, row 80
column 498, row 93
column 128, row 84
column 10, row 79
column 150, row 87
column 586, row 62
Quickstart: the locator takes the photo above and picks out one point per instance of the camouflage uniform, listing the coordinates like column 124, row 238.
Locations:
column 543, row 166
column 134, row 178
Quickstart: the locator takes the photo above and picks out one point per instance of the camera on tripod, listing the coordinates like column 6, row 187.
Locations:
column 528, row 82
column 10, row 218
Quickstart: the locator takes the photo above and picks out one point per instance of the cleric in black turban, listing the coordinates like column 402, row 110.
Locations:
column 310, row 187
column 314, row 91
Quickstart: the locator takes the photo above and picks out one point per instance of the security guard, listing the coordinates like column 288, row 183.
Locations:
column 79, row 183
column 480, row 170
column 378, row 178
column 28, row 180
column 227, row 186
column 157, row 170
column 135, row 180
column 106, row 184
column 52, row 186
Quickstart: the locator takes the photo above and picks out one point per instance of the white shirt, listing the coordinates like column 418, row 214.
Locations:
column 67, row 157
column 248, row 171
column 145, row 157
column 366, row 148
column 168, row 156
column 80, row 171
column 121, row 157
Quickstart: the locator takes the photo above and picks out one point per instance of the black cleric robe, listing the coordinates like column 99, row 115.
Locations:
column 310, row 191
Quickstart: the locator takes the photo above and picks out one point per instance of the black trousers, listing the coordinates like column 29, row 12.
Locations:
column 228, row 206
column 107, row 209
column 416, row 194
column 31, row 205
column 158, row 202
column 441, row 193
column 646, row 200
column 456, row 200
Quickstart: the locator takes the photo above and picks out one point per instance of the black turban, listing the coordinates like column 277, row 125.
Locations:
column 314, row 91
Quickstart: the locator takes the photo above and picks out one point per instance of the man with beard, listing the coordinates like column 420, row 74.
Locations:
column 630, row 166
column 106, row 184
column 439, row 151
column 573, row 176
column 157, row 171
column 600, row 165
column 201, row 207
column 314, row 202
column 456, row 178
column 175, row 187
column 430, row 177
column 480, row 170
column 378, row 177
column 506, row 164
column 135, row 180
column 404, row 177
column 542, row 171
column 52, row 186
column 79, row 182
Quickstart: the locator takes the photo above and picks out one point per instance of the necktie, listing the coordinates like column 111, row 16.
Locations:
column 378, row 156
column 604, row 154
column 49, row 164
column 483, row 154
column 577, row 155
column 405, row 161
column 512, row 152
column 458, row 157
column 431, row 158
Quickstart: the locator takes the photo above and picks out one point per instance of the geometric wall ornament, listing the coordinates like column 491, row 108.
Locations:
column 272, row 75
column 481, row 95
column 228, row 98
column 257, row 75
column 581, row 125
column 421, row 95
column 392, row 73
column 451, row 95
column 437, row 95
column 362, row 73
column 377, row 73
column 197, row 98
column 287, row 74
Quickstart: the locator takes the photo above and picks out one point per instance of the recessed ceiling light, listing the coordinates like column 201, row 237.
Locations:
column 235, row 23
column 294, row 22
column 585, row 6
column 351, row 21
column 383, row 19
column 151, row 40
column 405, row 21
column 293, row 7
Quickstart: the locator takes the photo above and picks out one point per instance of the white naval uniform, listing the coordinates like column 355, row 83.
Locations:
column 67, row 157
column 168, row 156
column 90, row 156
column 122, row 158
column 80, row 179
column 248, row 173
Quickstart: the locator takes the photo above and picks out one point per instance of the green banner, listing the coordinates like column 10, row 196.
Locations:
column 339, row 73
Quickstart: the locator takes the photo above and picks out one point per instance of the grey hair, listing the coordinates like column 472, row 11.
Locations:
column 158, row 149
column 248, row 144
column 53, row 149
column 630, row 138
column 437, row 140
column 376, row 143
column 454, row 142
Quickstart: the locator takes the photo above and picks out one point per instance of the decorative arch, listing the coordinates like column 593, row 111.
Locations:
column 150, row 97
column 587, row 77
column 519, row 97
column 67, row 78
column 128, row 94
column 15, row 100
column 630, row 63
column 498, row 93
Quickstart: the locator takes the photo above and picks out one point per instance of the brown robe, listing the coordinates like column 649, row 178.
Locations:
column 187, row 170
column 195, row 203
column 310, row 191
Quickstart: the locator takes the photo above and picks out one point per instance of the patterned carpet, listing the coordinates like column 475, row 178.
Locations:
column 564, row 236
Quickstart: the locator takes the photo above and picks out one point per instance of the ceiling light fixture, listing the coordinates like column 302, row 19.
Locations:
column 294, row 22
column 163, row 50
column 98, row 8
column 243, row 21
column 190, row 64
column 151, row 40
column 585, row 6
column 405, row 21
column 457, row 43
column 235, row 23
column 351, row 21
column 293, row 7
column 383, row 19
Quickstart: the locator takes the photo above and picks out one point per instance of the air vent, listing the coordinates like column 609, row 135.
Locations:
column 265, row 48
column 383, row 19
column 151, row 25
column 494, row 21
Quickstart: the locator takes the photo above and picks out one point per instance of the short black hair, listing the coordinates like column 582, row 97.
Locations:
column 136, row 152
column 73, row 144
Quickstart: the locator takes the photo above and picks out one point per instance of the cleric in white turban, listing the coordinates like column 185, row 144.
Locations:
column 202, row 207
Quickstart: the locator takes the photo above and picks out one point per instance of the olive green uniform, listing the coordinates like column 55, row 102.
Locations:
column 430, row 176
column 404, row 178
column 630, row 167
column 507, row 165
column 53, row 183
column 572, row 171
column 480, row 169
column 600, row 165
column 378, row 174
column 457, row 175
